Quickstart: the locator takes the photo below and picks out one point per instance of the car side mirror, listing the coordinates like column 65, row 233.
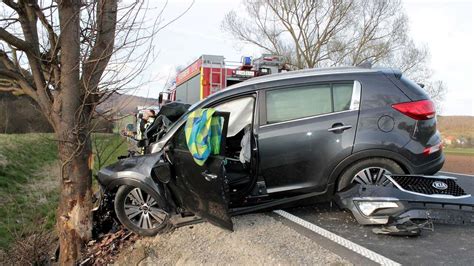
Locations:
column 162, row 172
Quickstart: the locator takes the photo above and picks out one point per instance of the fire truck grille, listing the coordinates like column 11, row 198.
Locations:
column 429, row 186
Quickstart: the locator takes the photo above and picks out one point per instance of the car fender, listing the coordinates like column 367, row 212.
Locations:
column 134, row 171
column 341, row 166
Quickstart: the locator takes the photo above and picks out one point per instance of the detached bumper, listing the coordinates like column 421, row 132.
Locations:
column 380, row 205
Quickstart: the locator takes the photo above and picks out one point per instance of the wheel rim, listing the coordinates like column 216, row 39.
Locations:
column 143, row 210
column 372, row 176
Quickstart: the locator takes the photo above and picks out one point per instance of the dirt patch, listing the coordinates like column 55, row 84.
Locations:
column 257, row 239
column 459, row 164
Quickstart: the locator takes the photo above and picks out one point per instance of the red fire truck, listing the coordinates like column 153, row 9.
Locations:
column 211, row 73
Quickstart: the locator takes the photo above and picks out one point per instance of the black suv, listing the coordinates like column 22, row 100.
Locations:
column 287, row 137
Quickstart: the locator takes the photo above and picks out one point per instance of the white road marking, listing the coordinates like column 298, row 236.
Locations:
column 451, row 173
column 338, row 239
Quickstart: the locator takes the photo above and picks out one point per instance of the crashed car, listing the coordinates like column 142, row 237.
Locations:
column 302, row 135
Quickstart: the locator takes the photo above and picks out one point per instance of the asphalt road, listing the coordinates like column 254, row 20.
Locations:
column 447, row 244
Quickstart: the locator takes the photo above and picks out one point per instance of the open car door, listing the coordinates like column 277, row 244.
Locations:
column 202, row 190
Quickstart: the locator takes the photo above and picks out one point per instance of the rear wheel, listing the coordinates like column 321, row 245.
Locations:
column 369, row 172
column 139, row 211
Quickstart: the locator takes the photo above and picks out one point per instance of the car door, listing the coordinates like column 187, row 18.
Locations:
column 202, row 190
column 304, row 132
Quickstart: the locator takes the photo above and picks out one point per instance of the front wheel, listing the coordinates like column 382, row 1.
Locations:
column 369, row 172
column 139, row 211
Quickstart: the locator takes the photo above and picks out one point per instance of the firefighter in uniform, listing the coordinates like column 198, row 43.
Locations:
column 143, row 122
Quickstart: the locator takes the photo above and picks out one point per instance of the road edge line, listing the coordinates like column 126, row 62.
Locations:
column 367, row 253
column 452, row 173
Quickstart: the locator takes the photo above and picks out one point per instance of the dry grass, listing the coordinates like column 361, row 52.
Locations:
column 34, row 248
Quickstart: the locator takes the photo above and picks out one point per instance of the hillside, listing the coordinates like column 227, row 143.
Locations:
column 456, row 126
column 125, row 103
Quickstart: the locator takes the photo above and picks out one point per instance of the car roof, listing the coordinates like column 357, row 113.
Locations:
column 304, row 73
column 234, row 89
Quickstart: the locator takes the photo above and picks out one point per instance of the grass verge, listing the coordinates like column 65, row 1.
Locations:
column 28, row 180
column 459, row 151
column 22, row 162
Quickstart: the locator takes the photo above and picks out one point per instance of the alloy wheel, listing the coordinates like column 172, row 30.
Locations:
column 143, row 210
column 372, row 176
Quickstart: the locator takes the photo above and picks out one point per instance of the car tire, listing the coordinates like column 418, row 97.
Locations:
column 348, row 175
column 125, row 204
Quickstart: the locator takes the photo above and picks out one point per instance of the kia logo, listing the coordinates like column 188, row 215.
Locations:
column 440, row 185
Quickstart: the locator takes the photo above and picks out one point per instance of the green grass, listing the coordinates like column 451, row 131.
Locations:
column 121, row 124
column 28, row 180
column 22, row 159
column 459, row 151
column 106, row 148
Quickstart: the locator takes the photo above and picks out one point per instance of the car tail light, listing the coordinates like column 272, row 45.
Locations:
column 429, row 150
column 419, row 110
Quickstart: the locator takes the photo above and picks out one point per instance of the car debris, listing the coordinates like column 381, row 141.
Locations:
column 105, row 250
column 404, row 226
column 409, row 204
column 103, row 216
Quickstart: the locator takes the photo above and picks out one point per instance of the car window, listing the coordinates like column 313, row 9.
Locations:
column 241, row 113
column 342, row 95
column 293, row 103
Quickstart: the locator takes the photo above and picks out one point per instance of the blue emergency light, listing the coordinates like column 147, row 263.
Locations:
column 247, row 60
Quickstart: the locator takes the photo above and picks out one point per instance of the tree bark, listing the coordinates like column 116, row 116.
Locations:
column 74, row 221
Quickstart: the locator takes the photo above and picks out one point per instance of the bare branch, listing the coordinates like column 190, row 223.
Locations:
column 13, row 40
column 11, row 4
column 102, row 50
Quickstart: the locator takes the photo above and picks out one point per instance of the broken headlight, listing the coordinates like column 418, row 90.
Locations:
column 369, row 207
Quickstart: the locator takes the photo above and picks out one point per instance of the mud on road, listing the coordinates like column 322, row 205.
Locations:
column 257, row 239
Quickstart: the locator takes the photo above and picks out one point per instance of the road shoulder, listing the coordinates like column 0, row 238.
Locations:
column 257, row 239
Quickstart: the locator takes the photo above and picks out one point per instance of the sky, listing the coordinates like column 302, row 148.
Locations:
column 445, row 27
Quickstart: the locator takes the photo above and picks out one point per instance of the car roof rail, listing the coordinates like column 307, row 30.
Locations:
column 365, row 64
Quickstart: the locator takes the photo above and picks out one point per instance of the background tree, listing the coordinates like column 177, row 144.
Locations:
column 69, row 56
column 325, row 33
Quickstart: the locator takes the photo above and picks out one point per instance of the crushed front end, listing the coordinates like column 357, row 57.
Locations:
column 409, row 199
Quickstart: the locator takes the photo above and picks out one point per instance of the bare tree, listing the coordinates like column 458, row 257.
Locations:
column 69, row 56
column 322, row 33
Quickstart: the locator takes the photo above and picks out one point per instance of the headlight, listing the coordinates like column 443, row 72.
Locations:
column 369, row 207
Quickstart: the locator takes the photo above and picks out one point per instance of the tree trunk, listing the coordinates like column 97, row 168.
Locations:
column 74, row 217
column 74, row 221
